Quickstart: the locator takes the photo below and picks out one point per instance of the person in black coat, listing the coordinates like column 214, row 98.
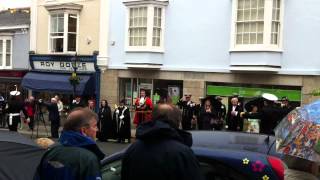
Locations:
column 234, row 121
column 162, row 151
column 270, row 115
column 54, row 116
column 207, row 116
column 121, row 115
column 15, row 106
column 188, row 112
column 106, row 125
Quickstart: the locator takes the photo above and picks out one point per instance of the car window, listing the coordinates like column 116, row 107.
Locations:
column 112, row 171
column 213, row 170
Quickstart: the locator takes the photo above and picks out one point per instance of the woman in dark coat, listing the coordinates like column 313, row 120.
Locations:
column 106, row 125
column 207, row 116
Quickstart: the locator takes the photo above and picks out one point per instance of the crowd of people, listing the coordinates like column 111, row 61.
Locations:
column 211, row 114
column 15, row 111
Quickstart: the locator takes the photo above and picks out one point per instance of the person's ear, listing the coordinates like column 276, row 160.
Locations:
column 83, row 130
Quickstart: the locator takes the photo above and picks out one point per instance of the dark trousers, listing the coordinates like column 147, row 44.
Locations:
column 235, row 125
column 31, row 123
column 54, row 129
column 2, row 120
column 14, row 125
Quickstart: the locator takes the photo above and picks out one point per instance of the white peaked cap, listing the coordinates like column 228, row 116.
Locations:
column 270, row 97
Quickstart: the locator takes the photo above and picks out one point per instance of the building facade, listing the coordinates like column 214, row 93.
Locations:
column 14, row 48
column 243, row 47
column 66, row 38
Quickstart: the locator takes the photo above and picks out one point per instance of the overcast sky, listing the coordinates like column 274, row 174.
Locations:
column 4, row 4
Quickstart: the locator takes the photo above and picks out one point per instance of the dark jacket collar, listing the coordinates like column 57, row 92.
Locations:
column 76, row 139
column 159, row 130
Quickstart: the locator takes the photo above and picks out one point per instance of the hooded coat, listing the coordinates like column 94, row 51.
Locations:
column 77, row 158
column 160, row 152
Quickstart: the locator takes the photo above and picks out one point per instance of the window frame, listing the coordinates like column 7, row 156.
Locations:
column 267, row 30
column 4, row 51
column 65, row 31
column 150, row 22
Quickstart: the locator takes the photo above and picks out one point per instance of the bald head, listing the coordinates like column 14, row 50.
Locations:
column 78, row 118
column 167, row 113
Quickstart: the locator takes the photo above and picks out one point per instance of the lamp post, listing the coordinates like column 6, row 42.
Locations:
column 74, row 79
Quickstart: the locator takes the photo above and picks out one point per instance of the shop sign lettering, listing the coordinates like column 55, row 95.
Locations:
column 63, row 66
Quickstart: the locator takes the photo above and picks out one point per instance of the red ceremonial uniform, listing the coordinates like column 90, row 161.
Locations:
column 143, row 111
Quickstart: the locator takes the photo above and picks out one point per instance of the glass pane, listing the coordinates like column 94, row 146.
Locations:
column 8, row 47
column 1, row 49
column 239, row 28
column 239, row 38
column 246, row 27
column 260, row 27
column 261, row 3
column 1, row 46
column 60, row 24
column 253, row 38
column 8, row 60
column 274, row 3
column 247, row 4
column 278, row 15
column 72, row 23
column 253, row 27
column 278, row 3
column 246, row 15
column 72, row 41
column 240, row 4
column 254, row 4
column 54, row 24
column 245, row 38
column 260, row 14
column 57, row 45
column 260, row 38
column 240, row 15
column 253, row 14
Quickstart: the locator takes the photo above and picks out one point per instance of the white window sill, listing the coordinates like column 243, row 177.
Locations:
column 256, row 48
column 6, row 68
column 152, row 50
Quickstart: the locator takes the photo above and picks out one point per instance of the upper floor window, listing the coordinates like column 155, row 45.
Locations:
column 257, row 25
column 63, row 32
column 5, row 52
column 145, row 25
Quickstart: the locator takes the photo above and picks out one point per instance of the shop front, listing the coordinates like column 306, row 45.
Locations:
column 8, row 80
column 157, row 89
column 50, row 75
column 246, row 92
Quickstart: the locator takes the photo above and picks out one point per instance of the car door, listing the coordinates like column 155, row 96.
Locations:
column 211, row 170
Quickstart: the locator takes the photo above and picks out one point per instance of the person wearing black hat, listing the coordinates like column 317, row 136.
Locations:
column 270, row 114
column 285, row 104
column 188, row 112
column 121, row 115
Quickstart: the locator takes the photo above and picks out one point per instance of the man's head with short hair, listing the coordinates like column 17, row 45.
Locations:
column 234, row 101
column 82, row 120
column 167, row 113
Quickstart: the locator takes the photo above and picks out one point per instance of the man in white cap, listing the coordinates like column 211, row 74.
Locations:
column 15, row 106
column 270, row 114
